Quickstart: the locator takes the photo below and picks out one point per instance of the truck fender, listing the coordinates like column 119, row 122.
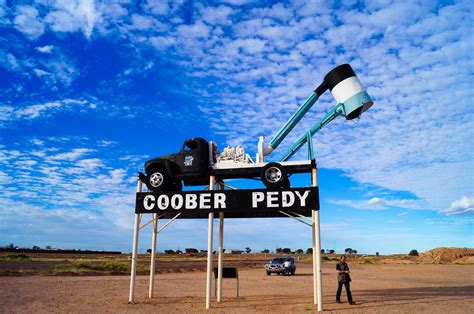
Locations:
column 169, row 166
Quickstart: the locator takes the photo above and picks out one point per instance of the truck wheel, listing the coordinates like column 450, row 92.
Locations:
column 273, row 175
column 157, row 180
column 269, row 273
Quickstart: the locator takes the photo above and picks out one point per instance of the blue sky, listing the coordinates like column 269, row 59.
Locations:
column 90, row 90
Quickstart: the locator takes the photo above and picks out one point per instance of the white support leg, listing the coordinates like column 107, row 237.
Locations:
column 316, row 230
column 153, row 256
column 319, row 277
column 220, row 261
column 315, row 269
column 209, row 250
column 133, row 272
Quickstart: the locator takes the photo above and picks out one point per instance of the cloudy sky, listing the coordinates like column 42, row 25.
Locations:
column 90, row 90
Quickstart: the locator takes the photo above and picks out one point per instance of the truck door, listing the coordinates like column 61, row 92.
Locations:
column 194, row 157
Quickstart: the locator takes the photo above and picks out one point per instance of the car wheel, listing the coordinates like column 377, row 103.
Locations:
column 269, row 273
column 157, row 180
column 273, row 175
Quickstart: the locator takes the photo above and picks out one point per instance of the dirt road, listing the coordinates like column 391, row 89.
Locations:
column 376, row 288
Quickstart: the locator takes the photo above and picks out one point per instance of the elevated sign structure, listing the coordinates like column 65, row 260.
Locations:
column 298, row 203
column 199, row 160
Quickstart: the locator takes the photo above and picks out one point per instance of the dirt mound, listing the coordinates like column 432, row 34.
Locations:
column 445, row 255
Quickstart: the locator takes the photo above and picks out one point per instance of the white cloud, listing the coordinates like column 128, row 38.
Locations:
column 236, row 2
column 73, row 155
column 217, row 15
column 54, row 70
column 45, row 49
column 73, row 15
column 9, row 61
column 90, row 163
column 68, row 181
column 4, row 178
column 374, row 201
column 158, row 7
column 27, row 21
column 40, row 73
column 43, row 110
column 462, row 206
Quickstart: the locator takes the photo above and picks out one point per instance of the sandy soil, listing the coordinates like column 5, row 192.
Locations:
column 376, row 288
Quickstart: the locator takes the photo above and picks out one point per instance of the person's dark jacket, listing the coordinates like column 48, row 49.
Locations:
column 343, row 277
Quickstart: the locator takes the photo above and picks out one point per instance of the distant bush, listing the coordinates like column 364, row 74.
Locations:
column 191, row 250
column 14, row 257
column 84, row 266
column 413, row 253
column 170, row 252
column 325, row 258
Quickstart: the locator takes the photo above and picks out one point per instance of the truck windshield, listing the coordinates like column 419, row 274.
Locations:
column 189, row 145
column 278, row 260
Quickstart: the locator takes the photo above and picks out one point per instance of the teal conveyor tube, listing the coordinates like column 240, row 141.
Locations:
column 334, row 113
column 293, row 121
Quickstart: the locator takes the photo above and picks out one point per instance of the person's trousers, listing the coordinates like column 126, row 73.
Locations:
column 348, row 291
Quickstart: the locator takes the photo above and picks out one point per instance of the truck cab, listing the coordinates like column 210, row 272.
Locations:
column 190, row 165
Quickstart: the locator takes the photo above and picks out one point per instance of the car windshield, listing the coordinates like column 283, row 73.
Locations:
column 278, row 260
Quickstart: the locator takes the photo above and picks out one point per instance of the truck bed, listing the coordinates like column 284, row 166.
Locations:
column 234, row 170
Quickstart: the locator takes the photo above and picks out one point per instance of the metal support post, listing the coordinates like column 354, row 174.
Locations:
column 136, row 229
column 219, row 260
column 153, row 256
column 209, row 250
column 316, row 233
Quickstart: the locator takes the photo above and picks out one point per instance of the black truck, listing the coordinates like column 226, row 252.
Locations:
column 199, row 159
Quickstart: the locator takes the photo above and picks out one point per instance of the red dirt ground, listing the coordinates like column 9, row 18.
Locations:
column 376, row 288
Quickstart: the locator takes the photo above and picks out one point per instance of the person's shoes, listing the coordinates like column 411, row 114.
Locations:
column 352, row 303
column 338, row 301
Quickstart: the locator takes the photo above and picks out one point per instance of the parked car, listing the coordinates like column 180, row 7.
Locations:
column 275, row 266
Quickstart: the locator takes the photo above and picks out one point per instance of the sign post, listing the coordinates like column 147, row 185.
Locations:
column 219, row 258
column 209, row 250
column 136, row 229
column 316, row 236
column 153, row 256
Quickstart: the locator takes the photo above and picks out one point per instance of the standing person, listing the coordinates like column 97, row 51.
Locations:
column 286, row 265
column 343, row 278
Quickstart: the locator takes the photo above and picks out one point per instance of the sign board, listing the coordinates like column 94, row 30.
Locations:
column 234, row 203
column 227, row 272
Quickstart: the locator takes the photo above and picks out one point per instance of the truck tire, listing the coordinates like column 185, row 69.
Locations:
column 158, row 180
column 269, row 273
column 273, row 175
